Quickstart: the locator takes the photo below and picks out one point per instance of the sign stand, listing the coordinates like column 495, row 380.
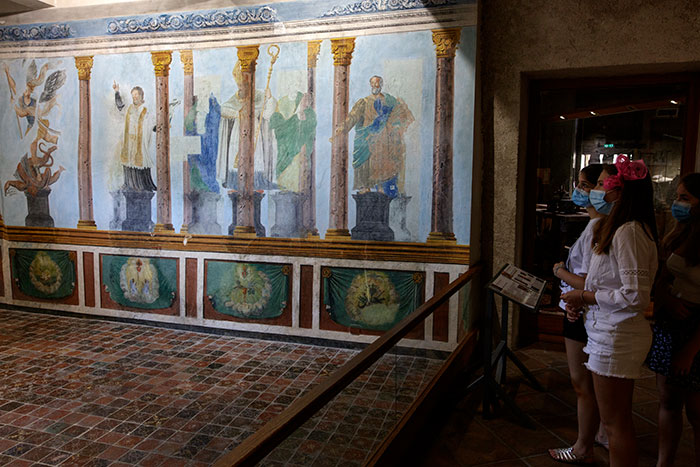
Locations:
column 522, row 288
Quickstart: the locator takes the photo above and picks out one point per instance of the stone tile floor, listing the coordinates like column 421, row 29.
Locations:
column 464, row 438
column 92, row 392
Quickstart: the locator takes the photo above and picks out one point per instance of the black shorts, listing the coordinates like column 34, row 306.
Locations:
column 575, row 331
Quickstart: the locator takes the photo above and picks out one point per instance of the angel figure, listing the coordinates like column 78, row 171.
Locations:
column 34, row 171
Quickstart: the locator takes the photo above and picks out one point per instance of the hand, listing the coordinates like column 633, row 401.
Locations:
column 115, row 86
column 682, row 361
column 573, row 314
column 573, row 299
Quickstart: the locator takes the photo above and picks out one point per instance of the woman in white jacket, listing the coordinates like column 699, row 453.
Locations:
column 619, row 282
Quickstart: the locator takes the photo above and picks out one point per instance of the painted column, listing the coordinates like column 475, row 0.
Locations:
column 308, row 208
column 86, row 220
column 445, row 41
column 245, row 214
column 338, row 222
column 188, row 67
column 161, row 66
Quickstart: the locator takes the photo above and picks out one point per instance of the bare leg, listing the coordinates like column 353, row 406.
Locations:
column 614, row 396
column 670, row 421
column 692, row 409
column 586, row 405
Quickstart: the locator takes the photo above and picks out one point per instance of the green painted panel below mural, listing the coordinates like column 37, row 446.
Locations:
column 44, row 274
column 138, row 282
column 370, row 299
column 248, row 290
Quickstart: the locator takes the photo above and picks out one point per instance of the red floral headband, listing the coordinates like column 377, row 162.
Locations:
column 626, row 170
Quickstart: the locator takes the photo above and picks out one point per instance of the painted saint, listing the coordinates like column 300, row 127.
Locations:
column 135, row 143
column 229, row 137
column 294, row 126
column 379, row 152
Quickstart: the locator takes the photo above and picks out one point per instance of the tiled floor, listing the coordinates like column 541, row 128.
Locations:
column 90, row 392
column 464, row 438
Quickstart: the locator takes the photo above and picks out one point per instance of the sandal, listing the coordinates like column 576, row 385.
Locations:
column 567, row 456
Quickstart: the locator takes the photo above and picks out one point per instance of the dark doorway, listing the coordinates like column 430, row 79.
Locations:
column 574, row 122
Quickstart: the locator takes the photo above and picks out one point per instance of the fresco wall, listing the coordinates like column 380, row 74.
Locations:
column 171, row 150
column 390, row 142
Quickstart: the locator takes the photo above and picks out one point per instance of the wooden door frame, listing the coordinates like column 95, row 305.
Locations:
column 531, row 327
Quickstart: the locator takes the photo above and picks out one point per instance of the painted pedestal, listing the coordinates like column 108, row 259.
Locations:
column 138, row 211
column 204, row 209
column 38, row 209
column 288, row 220
column 372, row 217
column 259, row 228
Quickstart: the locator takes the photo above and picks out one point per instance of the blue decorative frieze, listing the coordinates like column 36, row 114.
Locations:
column 377, row 6
column 192, row 21
column 30, row 32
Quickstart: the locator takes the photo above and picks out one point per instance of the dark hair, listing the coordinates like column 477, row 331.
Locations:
column 138, row 89
column 685, row 237
column 636, row 203
column 592, row 172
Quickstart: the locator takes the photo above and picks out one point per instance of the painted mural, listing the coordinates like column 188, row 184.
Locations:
column 247, row 290
column 140, row 282
column 370, row 299
column 389, row 129
column 43, row 274
column 33, row 95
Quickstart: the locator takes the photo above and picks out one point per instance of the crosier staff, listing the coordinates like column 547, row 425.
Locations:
column 273, row 59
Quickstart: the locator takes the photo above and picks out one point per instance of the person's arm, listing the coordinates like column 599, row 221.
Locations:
column 574, row 280
column 634, row 253
column 118, row 101
column 353, row 117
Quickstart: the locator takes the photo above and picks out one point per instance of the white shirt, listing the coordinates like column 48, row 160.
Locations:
column 622, row 279
column 579, row 258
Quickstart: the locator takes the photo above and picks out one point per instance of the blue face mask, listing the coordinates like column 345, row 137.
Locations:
column 580, row 198
column 597, row 198
column 681, row 211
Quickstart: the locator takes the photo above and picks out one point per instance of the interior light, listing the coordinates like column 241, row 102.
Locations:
column 593, row 113
column 562, row 117
column 674, row 102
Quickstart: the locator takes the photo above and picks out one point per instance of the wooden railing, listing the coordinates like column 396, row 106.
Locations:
column 262, row 442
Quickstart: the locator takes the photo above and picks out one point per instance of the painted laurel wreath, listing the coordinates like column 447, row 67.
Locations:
column 28, row 33
column 372, row 6
column 212, row 19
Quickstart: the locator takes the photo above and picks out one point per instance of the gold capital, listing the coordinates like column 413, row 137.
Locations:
column 248, row 55
column 187, row 61
column 446, row 41
column 161, row 62
column 342, row 50
column 312, row 50
column 84, row 66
